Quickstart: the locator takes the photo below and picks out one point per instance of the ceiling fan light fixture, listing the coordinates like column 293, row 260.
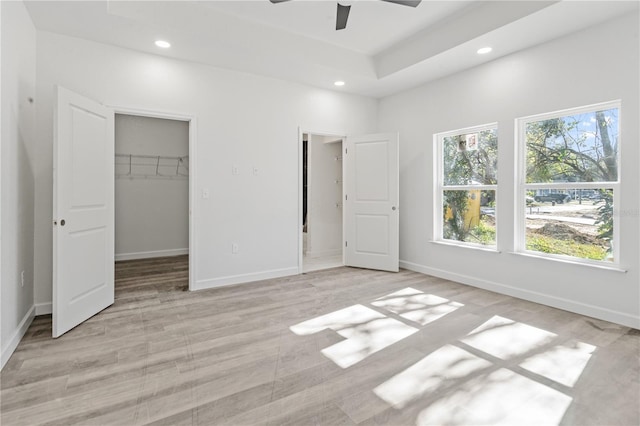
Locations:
column 339, row 83
column 484, row 50
column 163, row 44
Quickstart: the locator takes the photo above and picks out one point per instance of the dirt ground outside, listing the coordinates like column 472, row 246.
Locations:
column 571, row 221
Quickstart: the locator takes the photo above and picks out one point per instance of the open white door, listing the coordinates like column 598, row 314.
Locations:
column 371, row 201
column 83, row 210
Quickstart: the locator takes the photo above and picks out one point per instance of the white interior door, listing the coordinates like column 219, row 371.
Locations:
column 371, row 201
column 83, row 211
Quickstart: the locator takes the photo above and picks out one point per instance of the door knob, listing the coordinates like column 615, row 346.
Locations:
column 62, row 222
column 393, row 208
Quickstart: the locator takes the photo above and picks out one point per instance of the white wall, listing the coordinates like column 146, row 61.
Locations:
column 18, row 115
column 243, row 120
column 596, row 65
column 324, row 215
column 152, row 214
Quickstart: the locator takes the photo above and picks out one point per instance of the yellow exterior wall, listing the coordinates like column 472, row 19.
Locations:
column 472, row 215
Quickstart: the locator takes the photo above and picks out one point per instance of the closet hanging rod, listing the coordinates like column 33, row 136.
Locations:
column 154, row 157
column 138, row 165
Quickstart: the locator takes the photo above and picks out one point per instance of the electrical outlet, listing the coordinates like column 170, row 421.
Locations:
column 235, row 170
column 22, row 279
column 235, row 248
column 205, row 193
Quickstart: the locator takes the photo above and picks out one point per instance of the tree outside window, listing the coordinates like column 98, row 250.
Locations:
column 468, row 165
column 571, row 176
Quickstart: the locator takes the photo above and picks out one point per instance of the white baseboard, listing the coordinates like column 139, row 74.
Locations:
column 532, row 296
column 323, row 253
column 44, row 308
column 151, row 254
column 245, row 278
column 13, row 342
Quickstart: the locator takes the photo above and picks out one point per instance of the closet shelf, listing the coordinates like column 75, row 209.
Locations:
column 136, row 166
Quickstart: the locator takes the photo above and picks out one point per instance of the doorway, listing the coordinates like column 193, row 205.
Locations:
column 84, row 205
column 151, row 204
column 322, row 202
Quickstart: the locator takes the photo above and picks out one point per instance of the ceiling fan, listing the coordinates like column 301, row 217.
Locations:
column 343, row 10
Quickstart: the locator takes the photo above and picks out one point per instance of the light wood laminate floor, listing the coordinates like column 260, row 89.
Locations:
column 341, row 346
column 310, row 264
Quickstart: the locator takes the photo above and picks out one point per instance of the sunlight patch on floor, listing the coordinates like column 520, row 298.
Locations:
column 366, row 331
column 453, row 384
column 563, row 364
column 505, row 338
column 366, row 339
column 414, row 305
column 337, row 320
column 441, row 369
column 501, row 397
column 458, row 387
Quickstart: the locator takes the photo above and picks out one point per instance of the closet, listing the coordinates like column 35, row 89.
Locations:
column 151, row 187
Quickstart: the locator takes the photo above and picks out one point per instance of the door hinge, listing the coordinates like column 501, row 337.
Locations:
column 346, row 244
column 345, row 150
column 346, row 197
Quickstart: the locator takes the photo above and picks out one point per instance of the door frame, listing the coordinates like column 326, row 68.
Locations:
column 191, row 119
column 301, row 131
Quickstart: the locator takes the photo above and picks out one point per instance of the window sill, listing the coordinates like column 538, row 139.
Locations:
column 466, row 246
column 571, row 262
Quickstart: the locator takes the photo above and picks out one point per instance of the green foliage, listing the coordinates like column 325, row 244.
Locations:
column 478, row 166
column 466, row 167
column 484, row 234
column 454, row 227
column 566, row 149
column 550, row 245
column 605, row 215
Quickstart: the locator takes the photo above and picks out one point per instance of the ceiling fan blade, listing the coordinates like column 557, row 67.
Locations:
column 342, row 16
column 277, row 1
column 412, row 3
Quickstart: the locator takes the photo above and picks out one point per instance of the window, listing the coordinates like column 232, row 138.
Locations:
column 568, row 183
column 466, row 178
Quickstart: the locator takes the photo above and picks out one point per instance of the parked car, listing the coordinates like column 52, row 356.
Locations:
column 554, row 198
column 528, row 199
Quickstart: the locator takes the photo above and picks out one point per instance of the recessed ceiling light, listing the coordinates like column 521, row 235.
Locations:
column 163, row 44
column 339, row 83
column 484, row 50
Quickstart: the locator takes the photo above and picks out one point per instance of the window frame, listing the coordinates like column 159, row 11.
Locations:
column 439, row 187
column 522, row 186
